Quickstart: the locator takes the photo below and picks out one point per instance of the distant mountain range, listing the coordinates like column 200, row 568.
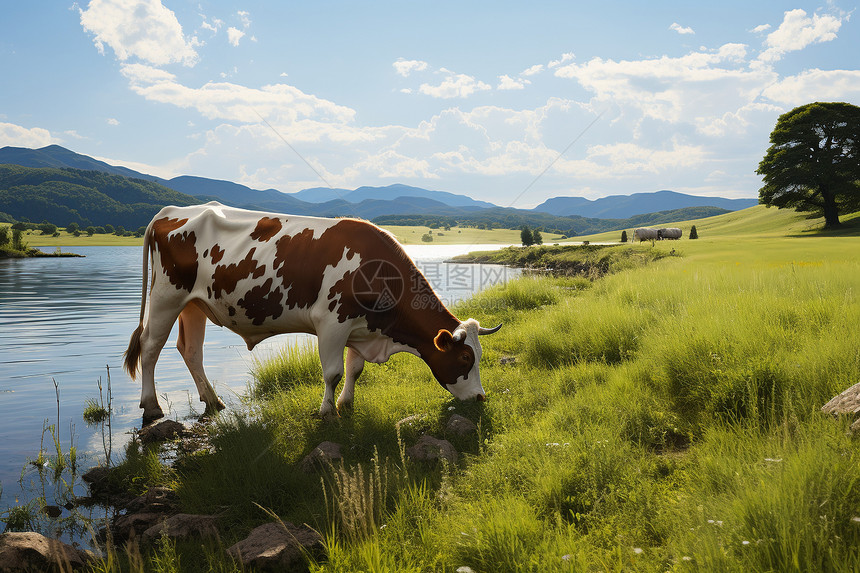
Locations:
column 567, row 214
column 624, row 206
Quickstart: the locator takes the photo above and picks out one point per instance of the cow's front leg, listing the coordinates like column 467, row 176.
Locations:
column 354, row 366
column 331, row 357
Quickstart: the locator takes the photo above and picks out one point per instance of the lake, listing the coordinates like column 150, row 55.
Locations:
column 68, row 320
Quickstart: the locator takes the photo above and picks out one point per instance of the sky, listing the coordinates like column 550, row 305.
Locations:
column 508, row 102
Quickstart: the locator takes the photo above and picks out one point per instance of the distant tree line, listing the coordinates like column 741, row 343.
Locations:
column 566, row 226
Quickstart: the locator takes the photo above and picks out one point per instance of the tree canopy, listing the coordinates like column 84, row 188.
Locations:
column 813, row 162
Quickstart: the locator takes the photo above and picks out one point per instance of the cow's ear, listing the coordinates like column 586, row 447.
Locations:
column 444, row 340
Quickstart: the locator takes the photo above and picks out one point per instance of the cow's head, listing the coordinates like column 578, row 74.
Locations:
column 455, row 365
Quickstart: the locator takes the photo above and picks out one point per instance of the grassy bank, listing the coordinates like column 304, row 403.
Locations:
column 662, row 418
column 406, row 235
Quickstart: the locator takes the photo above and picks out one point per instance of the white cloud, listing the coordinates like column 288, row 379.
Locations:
column 681, row 29
column 406, row 67
column 18, row 136
column 798, row 31
column 672, row 89
column 454, row 86
column 761, row 28
column 112, row 121
column 142, row 29
column 566, row 57
column 533, row 70
column 229, row 101
column 508, row 83
column 234, row 35
column 213, row 27
column 815, row 85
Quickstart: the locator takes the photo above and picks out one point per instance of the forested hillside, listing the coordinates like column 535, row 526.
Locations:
column 499, row 218
column 63, row 196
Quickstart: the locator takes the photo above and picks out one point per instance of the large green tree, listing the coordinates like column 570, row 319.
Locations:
column 813, row 163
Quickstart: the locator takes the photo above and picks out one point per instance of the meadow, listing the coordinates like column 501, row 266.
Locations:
column 663, row 417
column 405, row 234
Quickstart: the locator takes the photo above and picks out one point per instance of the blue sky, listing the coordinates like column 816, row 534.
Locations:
column 509, row 102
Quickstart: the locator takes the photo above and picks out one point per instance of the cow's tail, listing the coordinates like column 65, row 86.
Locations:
column 132, row 354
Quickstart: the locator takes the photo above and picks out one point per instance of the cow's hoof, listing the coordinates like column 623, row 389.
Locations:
column 344, row 409
column 150, row 416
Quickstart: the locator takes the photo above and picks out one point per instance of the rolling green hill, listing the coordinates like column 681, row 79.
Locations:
column 759, row 221
column 63, row 196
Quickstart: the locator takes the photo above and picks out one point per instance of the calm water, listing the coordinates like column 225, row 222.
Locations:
column 69, row 320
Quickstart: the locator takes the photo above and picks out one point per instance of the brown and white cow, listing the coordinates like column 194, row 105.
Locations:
column 261, row 274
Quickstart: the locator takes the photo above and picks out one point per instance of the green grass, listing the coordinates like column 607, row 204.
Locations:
column 664, row 417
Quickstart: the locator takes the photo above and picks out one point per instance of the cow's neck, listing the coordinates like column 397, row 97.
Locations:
column 419, row 319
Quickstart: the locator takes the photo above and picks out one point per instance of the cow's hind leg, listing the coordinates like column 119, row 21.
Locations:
column 192, row 330
column 152, row 340
column 354, row 366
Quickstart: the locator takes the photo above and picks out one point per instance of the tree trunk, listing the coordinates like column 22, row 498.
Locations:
column 831, row 211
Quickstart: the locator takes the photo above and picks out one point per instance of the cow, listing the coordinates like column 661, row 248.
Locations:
column 260, row 274
column 673, row 233
column 645, row 234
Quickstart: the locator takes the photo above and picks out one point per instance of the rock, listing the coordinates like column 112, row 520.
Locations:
column 324, row 454
column 31, row 551
column 278, row 546
column 183, row 526
column 855, row 427
column 158, row 432
column 156, row 500
column 430, row 449
column 848, row 402
column 508, row 360
column 53, row 511
column 134, row 524
column 460, row 426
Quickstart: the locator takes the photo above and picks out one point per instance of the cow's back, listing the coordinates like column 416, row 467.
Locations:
column 261, row 273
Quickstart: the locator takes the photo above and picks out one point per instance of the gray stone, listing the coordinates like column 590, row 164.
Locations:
column 460, row 426
column 163, row 430
column 278, row 546
column 430, row 449
column 508, row 360
column 321, row 457
column 847, row 402
column 31, row 551
column 183, row 526
column 134, row 524
column 157, row 500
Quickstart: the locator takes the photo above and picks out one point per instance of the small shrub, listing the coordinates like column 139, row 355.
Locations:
column 694, row 234
column 427, row 237
column 18, row 242
column 94, row 413
column 4, row 236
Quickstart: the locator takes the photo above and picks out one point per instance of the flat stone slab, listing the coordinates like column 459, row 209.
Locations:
column 848, row 402
column 278, row 546
column 183, row 526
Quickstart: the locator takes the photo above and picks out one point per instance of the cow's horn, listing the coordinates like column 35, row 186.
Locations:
column 482, row 330
column 459, row 335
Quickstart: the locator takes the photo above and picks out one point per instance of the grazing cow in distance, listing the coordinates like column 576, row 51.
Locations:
column 260, row 274
column 645, row 234
column 673, row 233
